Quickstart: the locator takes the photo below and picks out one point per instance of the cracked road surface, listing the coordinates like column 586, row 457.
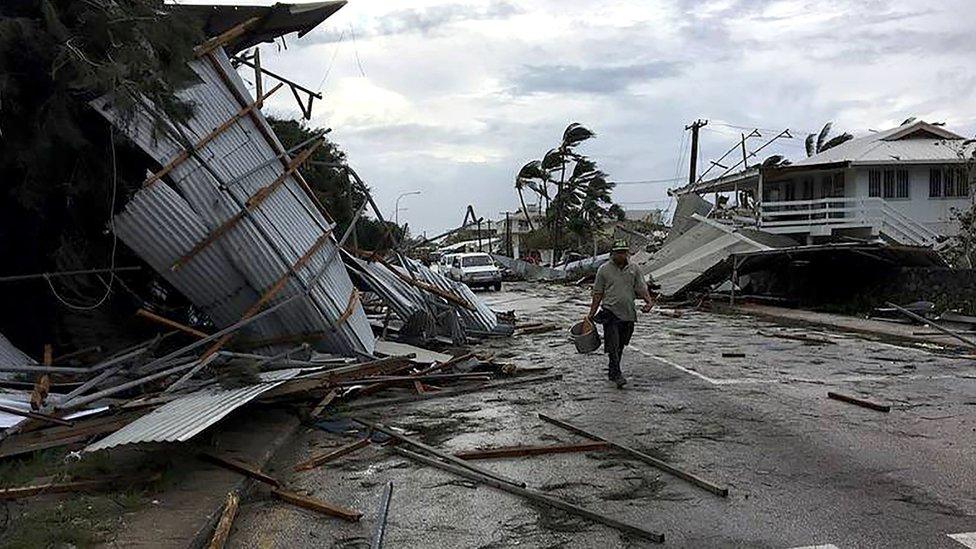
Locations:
column 802, row 470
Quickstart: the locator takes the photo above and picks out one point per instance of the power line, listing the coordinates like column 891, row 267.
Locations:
column 649, row 181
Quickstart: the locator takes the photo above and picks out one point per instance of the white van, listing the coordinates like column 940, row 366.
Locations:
column 476, row 270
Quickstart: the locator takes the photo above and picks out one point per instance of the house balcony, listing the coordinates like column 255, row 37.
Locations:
column 830, row 216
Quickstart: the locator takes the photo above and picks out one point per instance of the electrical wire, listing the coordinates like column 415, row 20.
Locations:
column 115, row 241
column 328, row 69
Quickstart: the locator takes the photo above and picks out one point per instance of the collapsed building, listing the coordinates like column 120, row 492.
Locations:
column 228, row 221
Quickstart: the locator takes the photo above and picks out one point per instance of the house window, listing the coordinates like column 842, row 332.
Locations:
column 901, row 184
column 874, row 183
column 935, row 183
column 789, row 191
column 888, row 184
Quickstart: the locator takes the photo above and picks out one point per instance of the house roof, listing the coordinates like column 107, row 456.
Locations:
column 915, row 143
column 276, row 20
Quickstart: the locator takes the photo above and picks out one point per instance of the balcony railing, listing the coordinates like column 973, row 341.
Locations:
column 822, row 216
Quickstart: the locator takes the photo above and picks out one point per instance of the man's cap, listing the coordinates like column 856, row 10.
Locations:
column 620, row 246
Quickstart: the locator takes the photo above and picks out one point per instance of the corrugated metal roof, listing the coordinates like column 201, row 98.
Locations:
column 12, row 356
column 893, row 146
column 415, row 308
column 181, row 419
column 161, row 223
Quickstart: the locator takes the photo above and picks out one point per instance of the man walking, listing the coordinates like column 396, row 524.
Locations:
column 618, row 283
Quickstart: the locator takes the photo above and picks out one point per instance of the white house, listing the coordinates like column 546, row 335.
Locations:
column 902, row 185
column 514, row 224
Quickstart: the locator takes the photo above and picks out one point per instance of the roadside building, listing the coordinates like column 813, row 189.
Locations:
column 903, row 185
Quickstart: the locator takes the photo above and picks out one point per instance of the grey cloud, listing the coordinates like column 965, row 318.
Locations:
column 427, row 20
column 570, row 78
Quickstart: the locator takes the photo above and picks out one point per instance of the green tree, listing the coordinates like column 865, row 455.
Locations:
column 63, row 168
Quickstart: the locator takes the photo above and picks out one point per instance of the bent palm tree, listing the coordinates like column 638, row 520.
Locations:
column 818, row 143
column 529, row 176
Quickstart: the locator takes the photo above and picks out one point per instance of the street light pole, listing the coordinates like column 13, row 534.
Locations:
column 396, row 211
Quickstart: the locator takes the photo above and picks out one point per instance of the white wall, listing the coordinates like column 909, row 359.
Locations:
column 934, row 213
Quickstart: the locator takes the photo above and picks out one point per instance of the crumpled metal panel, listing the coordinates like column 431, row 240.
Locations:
column 480, row 319
column 414, row 307
column 213, row 186
column 181, row 419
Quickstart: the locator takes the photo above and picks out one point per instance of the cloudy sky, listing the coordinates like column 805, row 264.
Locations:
column 451, row 97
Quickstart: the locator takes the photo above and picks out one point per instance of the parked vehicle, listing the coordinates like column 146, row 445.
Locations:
column 444, row 264
column 476, row 270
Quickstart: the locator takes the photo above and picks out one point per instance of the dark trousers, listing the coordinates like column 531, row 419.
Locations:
column 616, row 336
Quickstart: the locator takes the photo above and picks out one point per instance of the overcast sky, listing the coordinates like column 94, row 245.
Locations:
column 452, row 97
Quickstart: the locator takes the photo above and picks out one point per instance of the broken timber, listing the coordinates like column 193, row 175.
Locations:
column 431, row 450
column 535, row 496
column 697, row 481
column 222, row 531
column 240, row 467
column 522, row 451
column 859, row 402
column 451, row 393
column 317, row 505
column 322, row 459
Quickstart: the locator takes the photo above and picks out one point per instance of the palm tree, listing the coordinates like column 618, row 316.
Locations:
column 818, row 143
column 529, row 176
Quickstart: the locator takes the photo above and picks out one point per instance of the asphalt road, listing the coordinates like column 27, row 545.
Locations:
column 802, row 470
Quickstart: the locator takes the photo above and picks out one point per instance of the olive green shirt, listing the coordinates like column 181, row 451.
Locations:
column 620, row 287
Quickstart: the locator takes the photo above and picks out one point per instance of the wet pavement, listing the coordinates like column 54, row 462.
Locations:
column 802, row 470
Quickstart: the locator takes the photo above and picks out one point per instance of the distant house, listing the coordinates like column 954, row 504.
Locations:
column 901, row 185
column 515, row 225
column 653, row 216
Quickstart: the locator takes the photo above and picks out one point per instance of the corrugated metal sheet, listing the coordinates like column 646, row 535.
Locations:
column 12, row 356
column 481, row 319
column 417, row 309
column 162, row 224
column 181, row 419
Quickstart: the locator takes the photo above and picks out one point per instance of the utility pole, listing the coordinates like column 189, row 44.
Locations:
column 694, row 127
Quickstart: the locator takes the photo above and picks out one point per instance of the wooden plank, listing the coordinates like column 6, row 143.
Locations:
column 316, row 505
column 322, row 459
column 36, row 415
column 223, row 38
column 522, row 451
column 434, row 451
column 535, row 496
column 859, row 402
column 222, row 531
column 149, row 315
column 451, row 392
column 187, row 153
column 317, row 411
column 238, row 466
column 684, row 475
column 250, row 205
